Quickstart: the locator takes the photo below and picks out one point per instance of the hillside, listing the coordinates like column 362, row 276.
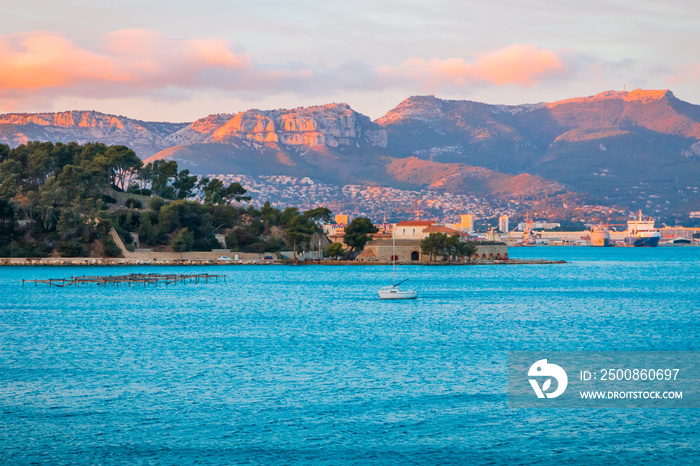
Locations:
column 145, row 138
column 639, row 149
column 333, row 144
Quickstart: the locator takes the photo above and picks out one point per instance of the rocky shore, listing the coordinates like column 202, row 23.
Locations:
column 89, row 261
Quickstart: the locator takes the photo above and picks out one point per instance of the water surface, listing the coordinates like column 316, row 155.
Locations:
column 284, row 364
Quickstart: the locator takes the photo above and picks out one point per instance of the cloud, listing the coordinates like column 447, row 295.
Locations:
column 124, row 61
column 522, row 65
column 46, row 60
column 686, row 74
column 43, row 66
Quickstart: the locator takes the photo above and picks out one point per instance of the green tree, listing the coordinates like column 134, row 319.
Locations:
column 234, row 192
column 123, row 164
column 4, row 152
column 39, row 166
column 215, row 192
column 184, row 184
column 430, row 245
column 110, row 248
column 71, row 249
column 10, row 178
column 288, row 214
column 298, row 229
column 334, row 250
column 156, row 203
column 144, row 176
column 453, row 247
column 232, row 240
column 470, row 251
column 160, row 173
column 319, row 214
column 445, row 246
column 224, row 216
column 7, row 212
column 183, row 241
column 269, row 214
column 357, row 233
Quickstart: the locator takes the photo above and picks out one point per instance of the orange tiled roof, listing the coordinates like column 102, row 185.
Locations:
column 415, row 223
column 440, row 229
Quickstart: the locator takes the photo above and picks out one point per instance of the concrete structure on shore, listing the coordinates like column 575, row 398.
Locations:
column 408, row 250
column 408, row 236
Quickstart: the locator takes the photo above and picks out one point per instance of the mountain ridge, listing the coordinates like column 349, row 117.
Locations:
column 605, row 145
column 81, row 126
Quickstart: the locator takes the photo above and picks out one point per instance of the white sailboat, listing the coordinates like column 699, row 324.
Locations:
column 393, row 291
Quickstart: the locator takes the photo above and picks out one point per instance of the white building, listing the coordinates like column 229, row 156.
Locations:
column 418, row 230
column 538, row 226
column 466, row 223
column 503, row 223
column 411, row 229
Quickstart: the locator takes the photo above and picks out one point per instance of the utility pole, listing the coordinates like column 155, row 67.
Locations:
column 12, row 240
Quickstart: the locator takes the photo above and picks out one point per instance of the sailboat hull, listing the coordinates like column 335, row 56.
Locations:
column 390, row 292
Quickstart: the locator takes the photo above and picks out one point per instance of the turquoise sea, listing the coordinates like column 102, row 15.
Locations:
column 304, row 365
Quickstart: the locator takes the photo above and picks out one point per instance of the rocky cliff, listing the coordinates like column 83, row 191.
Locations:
column 328, row 125
column 146, row 138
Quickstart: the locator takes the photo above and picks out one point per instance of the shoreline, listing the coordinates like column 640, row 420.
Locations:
column 102, row 262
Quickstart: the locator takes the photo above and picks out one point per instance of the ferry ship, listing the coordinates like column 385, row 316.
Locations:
column 529, row 238
column 641, row 233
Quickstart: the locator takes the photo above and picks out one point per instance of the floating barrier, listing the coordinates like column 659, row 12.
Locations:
column 132, row 279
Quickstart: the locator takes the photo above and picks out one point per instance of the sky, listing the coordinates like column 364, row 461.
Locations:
column 179, row 61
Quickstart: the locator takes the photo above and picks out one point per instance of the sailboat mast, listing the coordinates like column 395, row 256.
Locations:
column 393, row 256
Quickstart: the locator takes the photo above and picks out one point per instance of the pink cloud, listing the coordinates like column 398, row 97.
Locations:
column 124, row 61
column 685, row 74
column 41, row 66
column 523, row 65
column 46, row 60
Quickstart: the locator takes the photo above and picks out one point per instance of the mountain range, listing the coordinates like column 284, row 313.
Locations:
column 639, row 149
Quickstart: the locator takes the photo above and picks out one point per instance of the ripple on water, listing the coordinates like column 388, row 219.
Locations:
column 304, row 364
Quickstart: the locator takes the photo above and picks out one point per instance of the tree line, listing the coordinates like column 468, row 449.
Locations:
column 446, row 246
column 67, row 197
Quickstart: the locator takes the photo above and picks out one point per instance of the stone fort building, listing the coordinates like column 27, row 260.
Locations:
column 408, row 236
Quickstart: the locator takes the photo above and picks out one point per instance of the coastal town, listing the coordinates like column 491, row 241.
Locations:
column 475, row 218
column 382, row 203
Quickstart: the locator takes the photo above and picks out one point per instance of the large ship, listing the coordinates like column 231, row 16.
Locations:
column 528, row 235
column 600, row 236
column 641, row 233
